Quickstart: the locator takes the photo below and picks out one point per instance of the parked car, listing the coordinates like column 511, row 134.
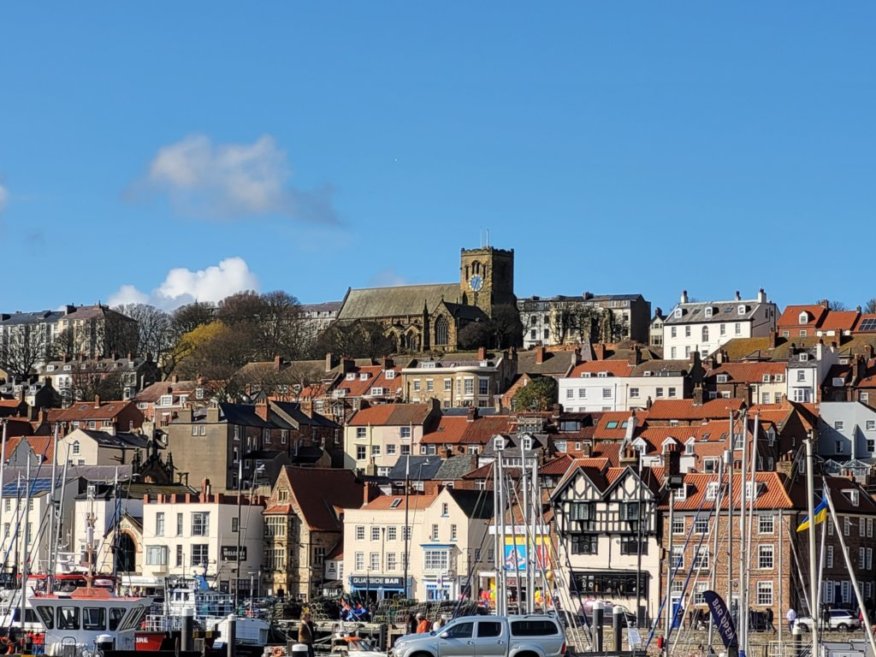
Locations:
column 532, row 635
column 838, row 619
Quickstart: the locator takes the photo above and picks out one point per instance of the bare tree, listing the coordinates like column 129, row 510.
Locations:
column 154, row 335
column 26, row 346
column 870, row 306
column 832, row 304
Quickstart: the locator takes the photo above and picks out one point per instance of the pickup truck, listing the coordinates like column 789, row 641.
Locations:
column 532, row 635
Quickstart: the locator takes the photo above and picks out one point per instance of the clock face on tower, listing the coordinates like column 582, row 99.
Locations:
column 476, row 283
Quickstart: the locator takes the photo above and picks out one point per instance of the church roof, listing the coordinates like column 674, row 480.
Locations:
column 378, row 302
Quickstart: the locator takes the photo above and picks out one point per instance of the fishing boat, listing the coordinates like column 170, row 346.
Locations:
column 87, row 618
column 209, row 610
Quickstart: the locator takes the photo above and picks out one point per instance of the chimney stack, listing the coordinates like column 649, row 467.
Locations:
column 636, row 355
column 684, row 296
column 738, row 296
column 539, row 355
column 761, row 296
column 774, row 339
column 599, row 351
column 482, row 353
column 97, row 401
column 278, row 362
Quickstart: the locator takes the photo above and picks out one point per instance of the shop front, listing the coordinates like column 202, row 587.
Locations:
column 377, row 587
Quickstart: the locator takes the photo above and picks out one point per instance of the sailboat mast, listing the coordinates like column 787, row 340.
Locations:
column 813, row 573
column 2, row 482
column 730, row 457
column 23, row 557
column 50, row 569
column 743, row 556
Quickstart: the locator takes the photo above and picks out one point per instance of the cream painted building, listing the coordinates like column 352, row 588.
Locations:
column 459, row 379
column 375, row 437
column 184, row 536
column 446, row 544
column 92, row 447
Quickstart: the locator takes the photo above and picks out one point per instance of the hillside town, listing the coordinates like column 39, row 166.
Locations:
column 349, row 449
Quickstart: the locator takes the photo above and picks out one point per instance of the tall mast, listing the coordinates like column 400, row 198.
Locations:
column 813, row 573
column 743, row 556
column 2, row 482
column 26, row 524
column 52, row 547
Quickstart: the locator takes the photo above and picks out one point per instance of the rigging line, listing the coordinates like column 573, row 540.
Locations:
column 469, row 580
column 672, row 575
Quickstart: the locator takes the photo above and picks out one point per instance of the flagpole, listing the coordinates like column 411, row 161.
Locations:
column 813, row 573
column 848, row 559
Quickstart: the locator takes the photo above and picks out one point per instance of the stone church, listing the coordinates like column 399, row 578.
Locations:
column 426, row 317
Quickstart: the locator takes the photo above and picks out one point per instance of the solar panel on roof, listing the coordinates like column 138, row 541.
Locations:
column 868, row 324
column 34, row 487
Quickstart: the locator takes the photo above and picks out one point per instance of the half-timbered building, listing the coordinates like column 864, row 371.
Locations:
column 608, row 528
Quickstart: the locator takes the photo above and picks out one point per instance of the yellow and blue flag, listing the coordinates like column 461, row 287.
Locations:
column 820, row 513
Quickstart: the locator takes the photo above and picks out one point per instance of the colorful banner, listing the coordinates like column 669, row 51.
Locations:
column 722, row 619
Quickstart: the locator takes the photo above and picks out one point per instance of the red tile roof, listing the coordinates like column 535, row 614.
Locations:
column 387, row 502
column 772, row 496
column 79, row 411
column 620, row 419
column 460, row 430
column 686, row 409
column 749, row 372
column 594, row 367
column 391, row 415
column 840, row 320
column 791, row 316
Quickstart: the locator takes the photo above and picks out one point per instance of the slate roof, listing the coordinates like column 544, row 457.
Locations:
column 456, row 467
column 121, row 440
column 722, row 311
column 15, row 319
column 243, row 415
column 556, row 363
column 317, row 491
column 376, row 302
column 293, row 411
column 422, row 468
column 474, row 503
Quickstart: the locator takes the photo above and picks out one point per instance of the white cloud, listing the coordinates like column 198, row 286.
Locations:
column 234, row 180
column 387, row 278
column 182, row 286
column 4, row 197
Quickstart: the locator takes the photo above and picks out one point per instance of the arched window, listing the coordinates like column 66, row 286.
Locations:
column 441, row 331
column 476, row 267
column 705, row 334
column 804, row 318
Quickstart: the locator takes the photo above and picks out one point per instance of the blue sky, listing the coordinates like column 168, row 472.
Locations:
column 617, row 147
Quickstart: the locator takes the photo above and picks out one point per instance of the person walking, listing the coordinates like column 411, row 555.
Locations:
column 306, row 631
column 791, row 617
column 411, row 624
column 769, row 620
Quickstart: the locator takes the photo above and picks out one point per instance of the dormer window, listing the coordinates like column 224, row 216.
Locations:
column 804, row 357
column 363, row 376
column 803, row 318
column 390, row 374
column 689, row 447
column 712, row 490
column 753, row 492
column 602, row 375
column 50, row 368
column 677, row 313
column 741, row 309
column 853, row 495
column 708, row 311
column 766, row 378
column 585, row 375
column 351, row 376
column 721, row 378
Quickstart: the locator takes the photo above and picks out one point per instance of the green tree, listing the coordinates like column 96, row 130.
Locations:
column 537, row 395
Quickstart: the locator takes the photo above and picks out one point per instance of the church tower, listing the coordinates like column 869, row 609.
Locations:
column 486, row 277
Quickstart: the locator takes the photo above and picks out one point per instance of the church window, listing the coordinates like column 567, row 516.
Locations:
column 441, row 331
